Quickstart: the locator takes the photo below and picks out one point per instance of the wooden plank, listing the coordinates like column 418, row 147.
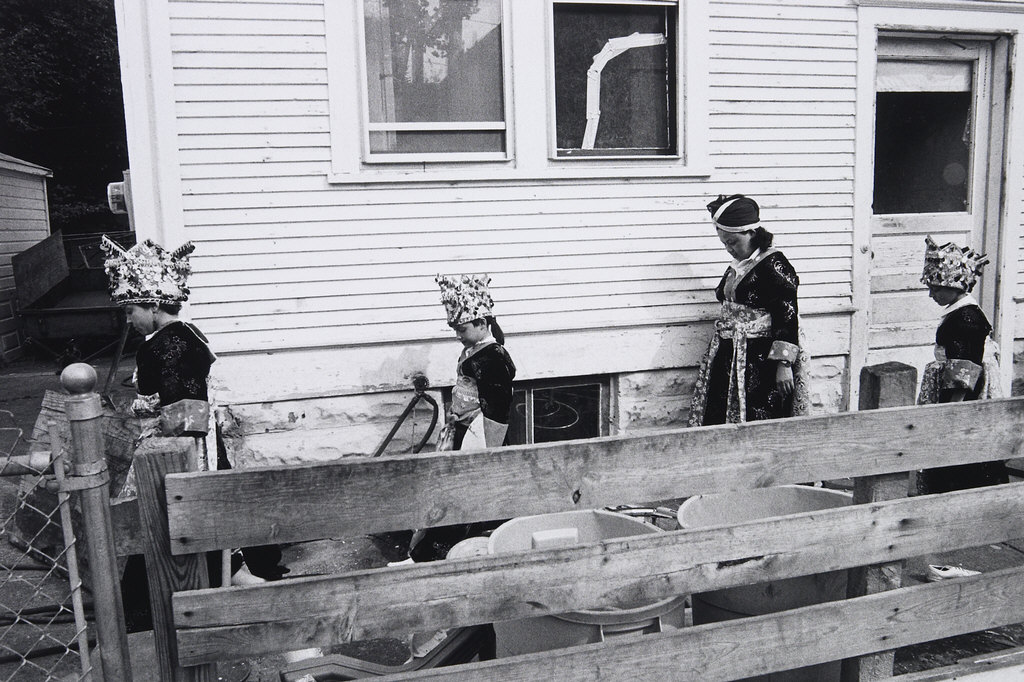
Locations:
column 1007, row 664
column 277, row 11
column 124, row 517
column 236, row 28
column 212, row 511
column 39, row 269
column 295, row 272
column 647, row 568
column 258, row 44
column 880, row 577
column 254, row 76
column 599, row 252
column 702, row 277
column 792, row 27
column 167, row 574
column 292, row 107
column 782, row 39
column 327, row 296
column 761, row 644
column 247, row 60
column 371, row 326
column 422, row 306
column 770, row 12
column 440, row 205
column 436, row 209
column 16, row 215
column 323, row 372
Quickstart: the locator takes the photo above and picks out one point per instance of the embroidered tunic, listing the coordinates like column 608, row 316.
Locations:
column 757, row 327
column 173, row 364
column 960, row 365
column 482, row 391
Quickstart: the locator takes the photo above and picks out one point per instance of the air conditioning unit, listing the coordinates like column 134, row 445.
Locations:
column 119, row 198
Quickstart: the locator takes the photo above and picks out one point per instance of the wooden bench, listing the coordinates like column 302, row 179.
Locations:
column 186, row 514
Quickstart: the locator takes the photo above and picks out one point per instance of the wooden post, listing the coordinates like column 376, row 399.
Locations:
column 167, row 574
column 90, row 479
column 889, row 384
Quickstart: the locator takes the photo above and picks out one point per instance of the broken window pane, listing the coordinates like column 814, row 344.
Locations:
column 434, row 76
column 922, row 152
column 615, row 79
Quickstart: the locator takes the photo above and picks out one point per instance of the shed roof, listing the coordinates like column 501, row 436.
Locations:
column 10, row 163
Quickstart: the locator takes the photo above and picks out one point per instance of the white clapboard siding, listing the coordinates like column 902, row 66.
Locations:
column 384, row 277
column 654, row 278
column 24, row 221
column 641, row 235
column 1019, row 293
column 285, row 259
column 227, row 210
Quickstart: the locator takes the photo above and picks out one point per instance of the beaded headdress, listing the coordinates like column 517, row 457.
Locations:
column 951, row 266
column 147, row 273
column 465, row 297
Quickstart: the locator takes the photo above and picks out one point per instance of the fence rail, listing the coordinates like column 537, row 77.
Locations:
column 212, row 510
column 181, row 515
column 287, row 504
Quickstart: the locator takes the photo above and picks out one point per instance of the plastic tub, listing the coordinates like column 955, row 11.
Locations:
column 545, row 633
column 777, row 595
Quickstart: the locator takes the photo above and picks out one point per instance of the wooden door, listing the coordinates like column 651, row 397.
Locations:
column 938, row 155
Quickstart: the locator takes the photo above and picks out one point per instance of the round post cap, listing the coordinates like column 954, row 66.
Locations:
column 78, row 378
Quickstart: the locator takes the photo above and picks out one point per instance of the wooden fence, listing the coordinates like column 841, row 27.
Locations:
column 186, row 514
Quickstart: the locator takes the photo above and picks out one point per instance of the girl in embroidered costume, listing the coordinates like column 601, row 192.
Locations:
column 171, row 374
column 964, row 368
column 755, row 366
column 481, row 398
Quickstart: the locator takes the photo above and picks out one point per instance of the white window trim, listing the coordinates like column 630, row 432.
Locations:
column 528, row 157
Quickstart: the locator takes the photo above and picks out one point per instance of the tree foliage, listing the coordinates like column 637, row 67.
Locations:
column 61, row 105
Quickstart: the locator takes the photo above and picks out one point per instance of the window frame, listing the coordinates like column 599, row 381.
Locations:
column 527, row 158
column 680, row 77
column 368, row 127
column 604, row 400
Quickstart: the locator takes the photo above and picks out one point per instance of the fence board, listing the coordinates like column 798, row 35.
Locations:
column 213, row 510
column 215, row 625
column 774, row 642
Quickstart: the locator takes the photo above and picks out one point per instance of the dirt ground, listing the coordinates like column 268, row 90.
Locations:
column 23, row 383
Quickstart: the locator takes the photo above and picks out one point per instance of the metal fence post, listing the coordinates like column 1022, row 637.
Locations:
column 90, row 479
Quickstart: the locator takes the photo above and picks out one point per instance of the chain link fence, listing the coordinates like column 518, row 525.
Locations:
column 45, row 620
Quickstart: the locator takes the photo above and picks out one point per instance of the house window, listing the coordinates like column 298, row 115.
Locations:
column 545, row 412
column 434, row 80
column 615, row 79
column 923, row 136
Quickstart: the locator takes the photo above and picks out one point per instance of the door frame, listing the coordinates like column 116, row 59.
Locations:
column 882, row 17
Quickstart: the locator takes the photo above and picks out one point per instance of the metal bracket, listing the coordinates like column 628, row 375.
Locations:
column 86, row 477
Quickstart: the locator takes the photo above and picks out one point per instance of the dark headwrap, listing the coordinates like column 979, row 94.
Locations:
column 735, row 213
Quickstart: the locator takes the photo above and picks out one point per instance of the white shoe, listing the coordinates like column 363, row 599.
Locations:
column 422, row 643
column 939, row 572
column 302, row 654
column 243, row 577
column 403, row 562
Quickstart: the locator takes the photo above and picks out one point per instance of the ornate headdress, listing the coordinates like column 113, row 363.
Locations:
column 736, row 213
column 951, row 266
column 146, row 273
column 465, row 297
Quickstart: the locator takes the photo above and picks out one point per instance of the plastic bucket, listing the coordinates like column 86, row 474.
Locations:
column 777, row 595
column 545, row 633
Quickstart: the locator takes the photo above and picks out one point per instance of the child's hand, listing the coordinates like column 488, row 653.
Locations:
column 784, row 379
